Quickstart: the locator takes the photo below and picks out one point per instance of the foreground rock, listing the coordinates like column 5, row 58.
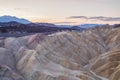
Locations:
column 89, row 55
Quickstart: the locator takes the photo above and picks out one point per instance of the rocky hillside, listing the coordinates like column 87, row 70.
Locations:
column 90, row 55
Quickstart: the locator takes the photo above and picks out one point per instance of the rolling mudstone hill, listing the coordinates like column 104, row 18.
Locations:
column 93, row 54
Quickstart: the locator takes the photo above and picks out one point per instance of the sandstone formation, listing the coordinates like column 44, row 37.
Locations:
column 89, row 55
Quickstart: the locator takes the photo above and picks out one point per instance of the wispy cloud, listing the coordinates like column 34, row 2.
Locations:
column 17, row 8
column 21, row 8
column 77, row 17
column 101, row 18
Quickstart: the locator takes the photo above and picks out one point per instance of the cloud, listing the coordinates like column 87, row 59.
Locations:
column 77, row 17
column 21, row 9
column 101, row 18
column 17, row 8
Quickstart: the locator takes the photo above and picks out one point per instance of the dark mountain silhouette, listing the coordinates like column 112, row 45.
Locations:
column 13, row 27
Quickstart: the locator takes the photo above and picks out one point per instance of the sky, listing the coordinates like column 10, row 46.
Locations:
column 63, row 11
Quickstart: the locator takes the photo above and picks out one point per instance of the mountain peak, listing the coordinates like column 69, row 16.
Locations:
column 7, row 18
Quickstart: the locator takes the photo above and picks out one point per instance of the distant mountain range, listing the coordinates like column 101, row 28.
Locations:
column 7, row 19
column 89, row 25
column 13, row 18
column 9, row 24
column 15, row 27
column 85, row 26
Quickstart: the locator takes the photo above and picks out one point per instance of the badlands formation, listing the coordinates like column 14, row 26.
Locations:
column 89, row 55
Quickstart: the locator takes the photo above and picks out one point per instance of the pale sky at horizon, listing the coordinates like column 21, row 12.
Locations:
column 57, row 11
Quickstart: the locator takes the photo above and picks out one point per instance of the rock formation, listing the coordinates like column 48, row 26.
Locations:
column 89, row 55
